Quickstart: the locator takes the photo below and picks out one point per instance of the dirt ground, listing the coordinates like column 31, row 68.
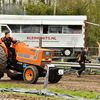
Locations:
column 87, row 82
column 16, row 97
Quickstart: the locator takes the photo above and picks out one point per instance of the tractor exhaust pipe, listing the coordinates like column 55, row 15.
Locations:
column 40, row 42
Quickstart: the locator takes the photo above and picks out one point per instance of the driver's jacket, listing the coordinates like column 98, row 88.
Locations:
column 8, row 41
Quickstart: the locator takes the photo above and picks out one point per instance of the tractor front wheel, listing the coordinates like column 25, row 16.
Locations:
column 30, row 74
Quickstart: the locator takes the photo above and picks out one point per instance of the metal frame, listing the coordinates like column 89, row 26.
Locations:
column 7, row 28
column 73, row 64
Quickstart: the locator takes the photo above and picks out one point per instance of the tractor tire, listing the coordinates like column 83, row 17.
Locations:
column 3, row 62
column 30, row 74
column 54, row 77
column 14, row 75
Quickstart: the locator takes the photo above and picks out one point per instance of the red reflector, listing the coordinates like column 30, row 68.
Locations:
column 84, row 21
column 83, row 27
column 83, row 33
column 83, row 44
column 83, row 38
column 45, row 66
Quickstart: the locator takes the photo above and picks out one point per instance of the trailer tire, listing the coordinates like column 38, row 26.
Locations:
column 54, row 77
column 67, row 52
column 3, row 62
column 30, row 74
column 14, row 75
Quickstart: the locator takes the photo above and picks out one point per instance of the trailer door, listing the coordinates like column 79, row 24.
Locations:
column 3, row 29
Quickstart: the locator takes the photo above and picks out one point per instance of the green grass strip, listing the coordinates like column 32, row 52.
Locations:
column 87, row 95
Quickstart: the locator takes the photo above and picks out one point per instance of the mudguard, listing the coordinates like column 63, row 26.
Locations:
column 4, row 47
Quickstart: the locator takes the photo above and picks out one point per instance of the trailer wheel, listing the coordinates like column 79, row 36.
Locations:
column 67, row 52
column 54, row 77
column 14, row 75
column 30, row 74
column 3, row 62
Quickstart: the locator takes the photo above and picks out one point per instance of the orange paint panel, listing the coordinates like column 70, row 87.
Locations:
column 30, row 55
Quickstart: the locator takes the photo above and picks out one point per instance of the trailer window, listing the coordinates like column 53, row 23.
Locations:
column 55, row 29
column 15, row 28
column 45, row 29
column 65, row 29
column 4, row 29
column 72, row 29
column 30, row 29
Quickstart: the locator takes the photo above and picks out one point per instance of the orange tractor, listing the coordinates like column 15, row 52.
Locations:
column 29, row 64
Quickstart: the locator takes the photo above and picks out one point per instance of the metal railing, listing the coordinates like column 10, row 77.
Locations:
column 73, row 64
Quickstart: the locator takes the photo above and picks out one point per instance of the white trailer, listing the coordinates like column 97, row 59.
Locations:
column 57, row 32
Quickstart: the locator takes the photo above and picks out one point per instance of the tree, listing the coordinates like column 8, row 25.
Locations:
column 29, row 1
column 42, row 1
column 0, row 7
column 39, row 9
column 14, row 2
column 92, row 32
column 49, row 2
column 20, row 2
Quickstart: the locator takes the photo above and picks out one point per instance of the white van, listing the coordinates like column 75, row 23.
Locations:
column 58, row 32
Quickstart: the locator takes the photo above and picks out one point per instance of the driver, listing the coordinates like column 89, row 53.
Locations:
column 8, row 40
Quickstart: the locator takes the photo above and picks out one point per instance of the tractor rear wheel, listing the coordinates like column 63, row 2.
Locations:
column 3, row 62
column 14, row 75
column 30, row 74
column 53, row 76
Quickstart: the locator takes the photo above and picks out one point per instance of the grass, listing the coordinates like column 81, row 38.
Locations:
column 93, row 71
column 87, row 95
column 65, row 68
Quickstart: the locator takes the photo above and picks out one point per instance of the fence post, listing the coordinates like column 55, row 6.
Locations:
column 97, row 62
column 90, row 70
column 62, row 59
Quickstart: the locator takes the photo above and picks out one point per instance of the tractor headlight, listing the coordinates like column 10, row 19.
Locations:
column 49, row 58
column 43, row 59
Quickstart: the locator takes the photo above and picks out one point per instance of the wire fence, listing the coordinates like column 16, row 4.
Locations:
column 93, row 51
